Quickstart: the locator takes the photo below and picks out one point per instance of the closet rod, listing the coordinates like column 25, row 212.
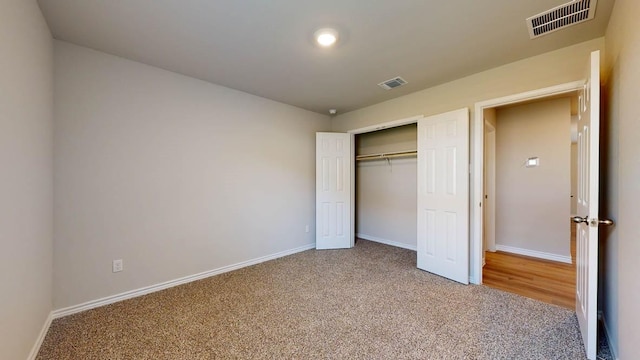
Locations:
column 388, row 155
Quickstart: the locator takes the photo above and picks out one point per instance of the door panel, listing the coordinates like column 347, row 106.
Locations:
column 333, row 191
column 587, row 206
column 443, row 195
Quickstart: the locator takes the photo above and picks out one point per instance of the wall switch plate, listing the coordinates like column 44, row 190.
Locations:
column 533, row 162
column 118, row 265
column 306, row 229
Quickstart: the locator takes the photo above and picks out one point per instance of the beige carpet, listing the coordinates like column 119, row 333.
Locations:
column 369, row 302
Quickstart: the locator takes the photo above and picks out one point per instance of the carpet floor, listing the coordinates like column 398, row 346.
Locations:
column 369, row 302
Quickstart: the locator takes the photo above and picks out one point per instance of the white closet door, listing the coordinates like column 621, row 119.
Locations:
column 333, row 191
column 443, row 195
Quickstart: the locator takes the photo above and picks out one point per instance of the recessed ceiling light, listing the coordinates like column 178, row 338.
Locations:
column 326, row 37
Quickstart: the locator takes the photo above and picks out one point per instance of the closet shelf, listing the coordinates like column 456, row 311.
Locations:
column 389, row 155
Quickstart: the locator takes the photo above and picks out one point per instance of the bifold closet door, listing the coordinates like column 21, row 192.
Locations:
column 443, row 195
column 334, row 158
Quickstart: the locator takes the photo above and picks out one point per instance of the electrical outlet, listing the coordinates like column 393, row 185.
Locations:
column 306, row 229
column 118, row 265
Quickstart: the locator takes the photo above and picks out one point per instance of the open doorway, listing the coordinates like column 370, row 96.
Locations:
column 529, row 186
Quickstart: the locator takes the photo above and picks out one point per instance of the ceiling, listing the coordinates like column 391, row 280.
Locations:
column 266, row 47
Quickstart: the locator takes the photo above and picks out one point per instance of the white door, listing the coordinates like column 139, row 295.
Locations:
column 333, row 191
column 587, row 206
column 443, row 195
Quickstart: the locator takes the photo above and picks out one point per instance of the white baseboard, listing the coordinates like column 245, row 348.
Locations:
column 534, row 253
column 171, row 283
column 607, row 335
column 43, row 333
column 386, row 242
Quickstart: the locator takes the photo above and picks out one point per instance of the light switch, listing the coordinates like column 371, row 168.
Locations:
column 533, row 162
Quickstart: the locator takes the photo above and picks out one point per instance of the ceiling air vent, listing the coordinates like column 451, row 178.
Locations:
column 392, row 83
column 560, row 17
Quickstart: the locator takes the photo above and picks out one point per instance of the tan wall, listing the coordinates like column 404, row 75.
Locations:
column 490, row 116
column 386, row 192
column 533, row 203
column 557, row 67
column 620, row 247
column 26, row 113
column 173, row 175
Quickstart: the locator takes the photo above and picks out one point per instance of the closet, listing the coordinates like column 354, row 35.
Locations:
column 367, row 186
column 386, row 186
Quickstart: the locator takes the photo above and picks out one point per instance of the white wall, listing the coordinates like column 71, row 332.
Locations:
column 556, row 67
column 621, row 169
column 386, row 192
column 533, row 204
column 173, row 175
column 26, row 108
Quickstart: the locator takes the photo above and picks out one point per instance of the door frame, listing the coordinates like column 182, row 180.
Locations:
column 491, row 193
column 367, row 129
column 476, row 247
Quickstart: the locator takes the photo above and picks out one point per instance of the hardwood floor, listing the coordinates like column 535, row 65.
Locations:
column 544, row 280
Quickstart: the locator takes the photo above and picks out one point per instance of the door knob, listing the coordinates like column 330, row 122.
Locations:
column 579, row 219
column 593, row 222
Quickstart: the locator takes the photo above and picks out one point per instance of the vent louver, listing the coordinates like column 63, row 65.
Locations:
column 392, row 83
column 560, row 17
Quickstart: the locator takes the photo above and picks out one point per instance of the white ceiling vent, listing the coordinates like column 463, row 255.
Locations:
column 560, row 17
column 392, row 83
